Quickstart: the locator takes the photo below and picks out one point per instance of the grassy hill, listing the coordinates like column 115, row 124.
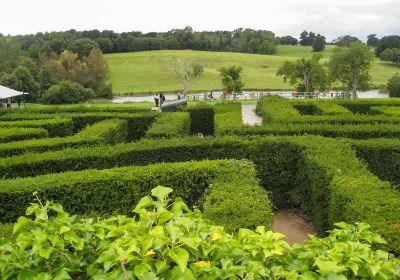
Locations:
column 140, row 72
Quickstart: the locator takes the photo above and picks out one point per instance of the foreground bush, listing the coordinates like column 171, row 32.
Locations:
column 166, row 240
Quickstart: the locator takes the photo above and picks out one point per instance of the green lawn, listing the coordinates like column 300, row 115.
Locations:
column 140, row 72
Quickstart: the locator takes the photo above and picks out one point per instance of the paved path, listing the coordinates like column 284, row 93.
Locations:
column 249, row 116
column 294, row 225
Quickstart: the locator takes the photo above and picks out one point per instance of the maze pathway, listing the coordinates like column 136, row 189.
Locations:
column 249, row 116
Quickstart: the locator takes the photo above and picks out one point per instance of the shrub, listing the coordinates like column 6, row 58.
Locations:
column 393, row 86
column 382, row 157
column 116, row 190
column 170, row 125
column 386, row 110
column 342, row 189
column 58, row 126
column 67, row 92
column 106, row 132
column 201, row 120
column 361, row 131
column 168, row 241
column 17, row 134
column 227, row 115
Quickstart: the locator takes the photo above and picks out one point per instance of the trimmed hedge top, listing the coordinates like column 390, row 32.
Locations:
column 17, row 134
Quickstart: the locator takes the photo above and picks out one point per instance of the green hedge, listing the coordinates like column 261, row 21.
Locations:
column 227, row 115
column 319, row 107
column 20, row 133
column 54, row 109
column 108, row 132
column 363, row 106
column 281, row 110
column 382, row 157
column 170, row 125
column 386, row 110
column 201, row 120
column 341, row 188
column 138, row 123
column 361, row 131
column 117, row 191
column 58, row 126
column 275, row 159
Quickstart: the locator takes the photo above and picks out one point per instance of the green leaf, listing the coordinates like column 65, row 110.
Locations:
column 325, row 267
column 64, row 229
column 179, row 206
column 161, row 192
column 45, row 252
column 44, row 276
column 21, row 224
column 180, row 256
column 144, row 203
column 62, row 275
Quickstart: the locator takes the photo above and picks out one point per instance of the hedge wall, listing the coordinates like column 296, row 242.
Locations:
column 361, row 131
column 278, row 109
column 341, row 188
column 201, row 120
column 363, row 106
column 117, row 191
column 228, row 115
column 386, row 110
column 106, row 132
column 382, row 157
column 170, row 125
column 58, row 126
column 20, row 133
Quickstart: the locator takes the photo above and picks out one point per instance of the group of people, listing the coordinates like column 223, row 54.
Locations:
column 159, row 99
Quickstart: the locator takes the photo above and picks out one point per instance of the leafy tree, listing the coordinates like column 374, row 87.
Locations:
column 67, row 92
column 350, row 66
column 305, row 74
column 106, row 45
column 21, row 80
column 391, row 55
column 185, row 71
column 319, row 43
column 372, row 41
column 387, row 42
column 393, row 86
column 97, row 68
column 304, row 39
column 288, row 40
column 346, row 41
column 83, row 46
column 10, row 52
column 231, row 79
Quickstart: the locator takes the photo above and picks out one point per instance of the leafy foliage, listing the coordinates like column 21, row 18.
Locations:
column 166, row 240
column 231, row 79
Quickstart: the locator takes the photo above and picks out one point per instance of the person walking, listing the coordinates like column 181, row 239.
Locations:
column 162, row 99
column 156, row 99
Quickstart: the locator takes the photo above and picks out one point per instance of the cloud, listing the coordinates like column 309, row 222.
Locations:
column 330, row 18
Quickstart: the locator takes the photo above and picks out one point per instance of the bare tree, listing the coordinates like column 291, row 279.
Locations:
column 185, row 71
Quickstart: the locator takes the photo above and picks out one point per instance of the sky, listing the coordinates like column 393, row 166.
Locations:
column 284, row 17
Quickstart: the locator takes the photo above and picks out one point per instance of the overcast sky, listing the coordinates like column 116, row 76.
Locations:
column 331, row 18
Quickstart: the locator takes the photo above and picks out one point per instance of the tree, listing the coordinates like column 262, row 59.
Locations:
column 372, row 41
column 185, row 71
column 21, row 80
column 350, row 66
column 67, row 92
column 106, row 45
column 305, row 74
column 387, row 42
column 393, row 86
column 304, row 41
column 97, row 67
column 391, row 55
column 319, row 43
column 288, row 40
column 231, row 79
column 10, row 53
column 82, row 47
column 346, row 41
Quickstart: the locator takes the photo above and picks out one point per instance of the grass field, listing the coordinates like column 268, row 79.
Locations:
column 140, row 72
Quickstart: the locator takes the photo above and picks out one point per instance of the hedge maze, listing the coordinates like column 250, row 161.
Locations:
column 337, row 160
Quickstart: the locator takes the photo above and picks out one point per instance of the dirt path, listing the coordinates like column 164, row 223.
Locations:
column 249, row 116
column 294, row 225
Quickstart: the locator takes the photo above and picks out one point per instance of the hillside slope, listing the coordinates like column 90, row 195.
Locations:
column 140, row 72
